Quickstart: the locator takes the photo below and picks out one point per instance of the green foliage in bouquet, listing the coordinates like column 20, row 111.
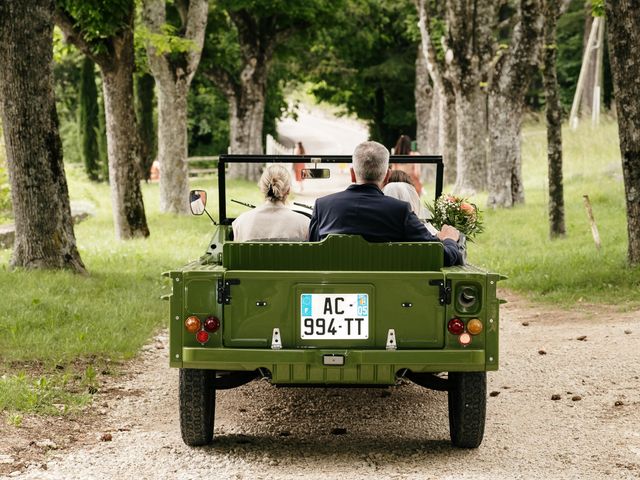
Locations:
column 457, row 212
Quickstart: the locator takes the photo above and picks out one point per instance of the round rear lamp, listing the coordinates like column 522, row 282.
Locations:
column 202, row 336
column 465, row 339
column 455, row 326
column 211, row 324
column 192, row 324
column 474, row 326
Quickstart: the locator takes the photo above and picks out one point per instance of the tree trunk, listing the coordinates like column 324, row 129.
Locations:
column 88, row 120
column 44, row 235
column 430, row 144
column 507, row 88
column 122, row 143
column 424, row 95
column 144, row 86
column 624, row 43
column 553, row 113
column 448, row 132
column 505, row 166
column 172, row 148
column 116, row 61
column 173, row 73
column 246, row 116
column 470, row 48
column 586, row 99
column 471, row 153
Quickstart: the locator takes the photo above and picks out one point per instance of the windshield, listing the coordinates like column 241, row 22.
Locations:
column 311, row 178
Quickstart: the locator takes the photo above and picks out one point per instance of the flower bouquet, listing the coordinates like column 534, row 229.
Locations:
column 457, row 212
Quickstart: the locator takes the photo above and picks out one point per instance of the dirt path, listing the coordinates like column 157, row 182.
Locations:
column 401, row 432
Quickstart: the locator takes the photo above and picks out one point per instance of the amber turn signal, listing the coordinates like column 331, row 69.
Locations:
column 192, row 324
column 474, row 326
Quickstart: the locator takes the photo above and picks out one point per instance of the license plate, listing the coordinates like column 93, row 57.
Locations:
column 337, row 316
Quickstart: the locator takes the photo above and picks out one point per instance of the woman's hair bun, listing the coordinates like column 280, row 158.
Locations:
column 275, row 182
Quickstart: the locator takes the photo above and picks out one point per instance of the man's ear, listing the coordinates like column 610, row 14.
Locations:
column 386, row 177
column 353, row 175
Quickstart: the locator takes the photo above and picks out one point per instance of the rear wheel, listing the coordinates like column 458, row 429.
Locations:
column 467, row 408
column 197, row 406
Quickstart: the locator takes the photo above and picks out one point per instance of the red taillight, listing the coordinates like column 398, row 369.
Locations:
column 211, row 324
column 202, row 336
column 455, row 326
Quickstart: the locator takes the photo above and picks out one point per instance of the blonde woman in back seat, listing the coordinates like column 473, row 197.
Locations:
column 273, row 220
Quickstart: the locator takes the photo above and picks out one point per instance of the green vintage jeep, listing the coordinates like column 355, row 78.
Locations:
column 340, row 312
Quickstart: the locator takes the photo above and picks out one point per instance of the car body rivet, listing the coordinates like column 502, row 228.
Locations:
column 491, row 359
column 491, row 320
column 177, row 317
column 177, row 355
column 177, row 279
column 491, row 282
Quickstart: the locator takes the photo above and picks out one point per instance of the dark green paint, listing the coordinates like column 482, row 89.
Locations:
column 274, row 275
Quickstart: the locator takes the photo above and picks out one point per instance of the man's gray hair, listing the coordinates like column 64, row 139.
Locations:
column 370, row 162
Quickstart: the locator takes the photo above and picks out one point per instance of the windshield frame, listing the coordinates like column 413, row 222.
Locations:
column 226, row 159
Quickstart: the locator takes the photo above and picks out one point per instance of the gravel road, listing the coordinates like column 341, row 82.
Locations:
column 591, row 431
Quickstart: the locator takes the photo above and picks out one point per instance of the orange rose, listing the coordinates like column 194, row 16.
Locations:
column 467, row 208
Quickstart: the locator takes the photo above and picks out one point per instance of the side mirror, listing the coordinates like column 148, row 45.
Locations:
column 316, row 173
column 197, row 201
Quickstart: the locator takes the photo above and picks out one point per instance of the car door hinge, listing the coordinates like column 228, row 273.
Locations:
column 444, row 287
column 224, row 289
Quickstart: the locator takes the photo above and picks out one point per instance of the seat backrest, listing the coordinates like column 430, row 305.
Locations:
column 334, row 253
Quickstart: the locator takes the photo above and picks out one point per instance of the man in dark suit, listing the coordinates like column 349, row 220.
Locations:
column 362, row 209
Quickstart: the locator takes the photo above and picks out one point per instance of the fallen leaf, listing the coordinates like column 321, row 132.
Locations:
column 555, row 396
column 494, row 394
column 576, row 398
column 106, row 437
column 582, row 338
column 542, row 352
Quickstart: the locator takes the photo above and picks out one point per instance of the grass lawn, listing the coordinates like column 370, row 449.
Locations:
column 516, row 241
column 58, row 329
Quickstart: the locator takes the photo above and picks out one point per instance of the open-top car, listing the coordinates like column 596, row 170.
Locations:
column 339, row 312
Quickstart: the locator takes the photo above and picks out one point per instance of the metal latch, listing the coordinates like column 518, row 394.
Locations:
column 391, row 340
column 224, row 289
column 276, row 341
column 444, row 290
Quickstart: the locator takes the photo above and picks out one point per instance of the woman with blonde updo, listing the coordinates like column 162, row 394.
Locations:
column 272, row 220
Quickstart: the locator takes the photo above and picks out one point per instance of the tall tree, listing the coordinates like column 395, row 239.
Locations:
column 44, row 229
column 173, row 65
column 242, row 40
column 88, row 125
column 551, row 10
column 470, row 45
column 509, row 81
column 365, row 60
column 104, row 32
column 424, row 95
column 144, row 84
column 444, row 140
column 623, row 18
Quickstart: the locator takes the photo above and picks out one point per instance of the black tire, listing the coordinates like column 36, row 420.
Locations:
column 197, row 406
column 467, row 408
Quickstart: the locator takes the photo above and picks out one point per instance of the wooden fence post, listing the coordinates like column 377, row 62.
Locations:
column 592, row 221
